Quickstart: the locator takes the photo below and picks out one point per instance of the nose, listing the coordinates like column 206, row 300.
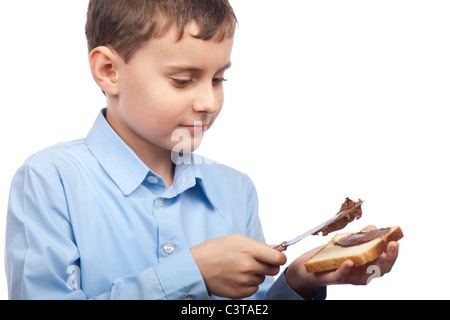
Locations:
column 207, row 100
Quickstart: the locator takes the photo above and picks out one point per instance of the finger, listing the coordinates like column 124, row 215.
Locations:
column 262, row 269
column 248, row 291
column 387, row 259
column 391, row 256
column 269, row 269
column 267, row 254
column 342, row 272
column 280, row 248
column 369, row 228
column 392, row 249
column 256, row 280
column 337, row 276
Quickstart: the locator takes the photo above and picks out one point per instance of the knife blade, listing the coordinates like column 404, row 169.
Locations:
column 283, row 246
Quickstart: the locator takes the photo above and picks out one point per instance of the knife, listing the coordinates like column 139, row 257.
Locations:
column 283, row 246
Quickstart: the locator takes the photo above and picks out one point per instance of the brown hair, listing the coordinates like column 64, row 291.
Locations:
column 126, row 25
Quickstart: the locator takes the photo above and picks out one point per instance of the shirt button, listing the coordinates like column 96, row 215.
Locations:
column 160, row 202
column 152, row 179
column 169, row 248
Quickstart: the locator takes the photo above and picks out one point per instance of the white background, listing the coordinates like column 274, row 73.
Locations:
column 325, row 99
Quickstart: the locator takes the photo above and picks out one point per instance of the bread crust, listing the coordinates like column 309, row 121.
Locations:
column 314, row 264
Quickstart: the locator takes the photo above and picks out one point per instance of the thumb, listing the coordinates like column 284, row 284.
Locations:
column 278, row 247
column 342, row 272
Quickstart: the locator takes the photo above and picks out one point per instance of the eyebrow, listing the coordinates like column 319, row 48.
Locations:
column 179, row 68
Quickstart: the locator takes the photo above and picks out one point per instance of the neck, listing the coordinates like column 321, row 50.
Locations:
column 159, row 162
column 155, row 158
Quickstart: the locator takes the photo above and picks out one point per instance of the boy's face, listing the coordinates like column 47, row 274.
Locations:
column 166, row 88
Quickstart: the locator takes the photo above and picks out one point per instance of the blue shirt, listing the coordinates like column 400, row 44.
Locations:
column 88, row 219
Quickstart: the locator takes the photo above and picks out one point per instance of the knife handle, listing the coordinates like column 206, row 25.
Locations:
column 281, row 247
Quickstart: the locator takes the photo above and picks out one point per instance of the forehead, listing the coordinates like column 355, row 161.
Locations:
column 168, row 49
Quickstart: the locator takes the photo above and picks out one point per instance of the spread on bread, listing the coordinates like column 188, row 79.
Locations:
column 362, row 237
column 332, row 255
column 341, row 221
column 360, row 247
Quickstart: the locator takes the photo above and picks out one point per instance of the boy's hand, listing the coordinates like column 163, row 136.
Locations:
column 305, row 283
column 234, row 266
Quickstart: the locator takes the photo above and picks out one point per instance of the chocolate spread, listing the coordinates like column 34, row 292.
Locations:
column 341, row 221
column 362, row 237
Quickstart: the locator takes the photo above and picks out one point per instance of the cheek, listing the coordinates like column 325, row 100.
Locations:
column 149, row 114
column 214, row 117
column 157, row 116
column 151, row 101
column 220, row 100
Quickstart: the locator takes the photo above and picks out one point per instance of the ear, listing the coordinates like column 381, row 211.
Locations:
column 104, row 69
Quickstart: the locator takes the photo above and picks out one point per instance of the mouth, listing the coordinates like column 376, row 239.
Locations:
column 196, row 128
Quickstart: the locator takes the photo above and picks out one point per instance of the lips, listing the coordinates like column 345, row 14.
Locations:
column 197, row 128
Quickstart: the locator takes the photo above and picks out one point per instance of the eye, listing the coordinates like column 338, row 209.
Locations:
column 217, row 81
column 181, row 83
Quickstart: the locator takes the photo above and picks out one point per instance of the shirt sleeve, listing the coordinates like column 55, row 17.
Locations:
column 162, row 281
column 41, row 256
column 280, row 290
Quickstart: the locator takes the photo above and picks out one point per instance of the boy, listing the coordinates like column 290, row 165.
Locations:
column 129, row 212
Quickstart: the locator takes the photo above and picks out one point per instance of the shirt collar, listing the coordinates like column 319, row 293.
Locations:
column 115, row 156
column 206, row 175
column 128, row 171
column 188, row 175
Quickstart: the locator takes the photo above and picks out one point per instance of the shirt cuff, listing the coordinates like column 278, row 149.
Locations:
column 180, row 277
column 280, row 290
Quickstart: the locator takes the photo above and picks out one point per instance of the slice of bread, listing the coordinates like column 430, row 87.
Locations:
column 333, row 255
